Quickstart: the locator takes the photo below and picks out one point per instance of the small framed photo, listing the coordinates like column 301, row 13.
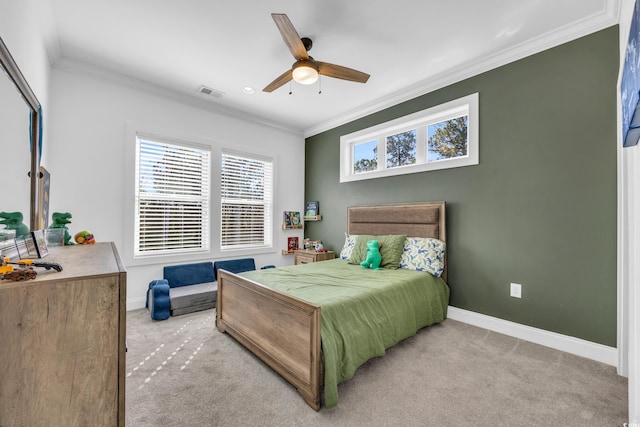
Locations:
column 40, row 243
column 291, row 220
column 292, row 244
column 32, row 245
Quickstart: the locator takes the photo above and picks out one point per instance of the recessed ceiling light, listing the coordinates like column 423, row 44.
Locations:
column 248, row 89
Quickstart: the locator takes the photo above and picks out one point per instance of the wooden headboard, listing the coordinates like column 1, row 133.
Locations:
column 424, row 219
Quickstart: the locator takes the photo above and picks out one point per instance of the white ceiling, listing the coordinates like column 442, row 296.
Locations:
column 409, row 47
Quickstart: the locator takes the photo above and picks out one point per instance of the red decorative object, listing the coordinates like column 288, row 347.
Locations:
column 292, row 243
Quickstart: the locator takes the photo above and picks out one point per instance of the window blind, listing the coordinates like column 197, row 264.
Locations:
column 172, row 198
column 246, row 202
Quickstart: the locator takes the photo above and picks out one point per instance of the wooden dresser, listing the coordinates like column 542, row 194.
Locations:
column 62, row 341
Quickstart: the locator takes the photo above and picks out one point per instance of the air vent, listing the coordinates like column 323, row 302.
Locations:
column 212, row 92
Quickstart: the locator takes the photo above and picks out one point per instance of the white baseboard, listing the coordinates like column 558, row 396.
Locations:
column 136, row 303
column 577, row 346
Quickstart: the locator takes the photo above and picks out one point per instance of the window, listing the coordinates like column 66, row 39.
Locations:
column 171, row 198
column 401, row 149
column 365, row 157
column 445, row 136
column 246, row 199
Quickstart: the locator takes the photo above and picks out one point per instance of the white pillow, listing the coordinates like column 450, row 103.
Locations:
column 423, row 254
column 349, row 243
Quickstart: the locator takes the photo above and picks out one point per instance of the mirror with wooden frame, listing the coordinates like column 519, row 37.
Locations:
column 20, row 142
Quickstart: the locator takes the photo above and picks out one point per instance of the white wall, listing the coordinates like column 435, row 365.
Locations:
column 629, row 247
column 21, row 29
column 630, row 277
column 91, row 163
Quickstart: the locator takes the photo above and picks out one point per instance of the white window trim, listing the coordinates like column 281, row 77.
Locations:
column 206, row 237
column 269, row 220
column 153, row 131
column 465, row 105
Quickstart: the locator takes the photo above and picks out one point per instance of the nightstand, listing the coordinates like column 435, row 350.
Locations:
column 305, row 256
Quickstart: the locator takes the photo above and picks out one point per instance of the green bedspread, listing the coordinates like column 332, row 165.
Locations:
column 363, row 312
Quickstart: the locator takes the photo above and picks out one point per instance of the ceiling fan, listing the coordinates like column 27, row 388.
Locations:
column 306, row 69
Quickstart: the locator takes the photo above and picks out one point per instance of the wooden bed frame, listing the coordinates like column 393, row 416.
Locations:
column 284, row 331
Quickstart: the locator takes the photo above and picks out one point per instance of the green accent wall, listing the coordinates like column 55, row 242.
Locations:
column 539, row 209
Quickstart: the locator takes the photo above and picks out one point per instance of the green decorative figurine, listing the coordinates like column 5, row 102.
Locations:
column 60, row 220
column 373, row 259
column 13, row 221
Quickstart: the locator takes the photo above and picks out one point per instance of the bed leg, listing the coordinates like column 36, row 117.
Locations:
column 220, row 325
column 314, row 403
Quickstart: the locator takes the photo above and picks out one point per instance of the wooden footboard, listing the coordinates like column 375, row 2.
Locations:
column 283, row 331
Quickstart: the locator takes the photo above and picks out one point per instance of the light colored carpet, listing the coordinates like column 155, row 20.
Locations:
column 183, row 372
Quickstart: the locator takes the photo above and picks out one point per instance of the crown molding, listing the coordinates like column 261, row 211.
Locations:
column 606, row 17
column 87, row 70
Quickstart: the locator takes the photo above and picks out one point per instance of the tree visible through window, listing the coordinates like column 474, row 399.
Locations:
column 441, row 137
column 246, row 202
column 172, row 198
column 365, row 157
column 448, row 139
column 401, row 149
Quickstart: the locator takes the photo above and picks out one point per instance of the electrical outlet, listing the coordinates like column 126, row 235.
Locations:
column 516, row 290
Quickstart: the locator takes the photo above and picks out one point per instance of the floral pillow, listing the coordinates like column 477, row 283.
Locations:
column 349, row 243
column 423, row 254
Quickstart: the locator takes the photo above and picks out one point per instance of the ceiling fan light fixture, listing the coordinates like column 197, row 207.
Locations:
column 305, row 72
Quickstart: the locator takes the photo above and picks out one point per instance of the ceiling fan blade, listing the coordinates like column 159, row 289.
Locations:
column 290, row 36
column 340, row 72
column 282, row 79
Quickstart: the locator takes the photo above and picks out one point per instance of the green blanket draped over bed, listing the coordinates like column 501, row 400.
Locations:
column 363, row 311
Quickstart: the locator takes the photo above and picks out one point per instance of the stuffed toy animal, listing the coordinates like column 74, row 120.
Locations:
column 13, row 221
column 60, row 220
column 373, row 259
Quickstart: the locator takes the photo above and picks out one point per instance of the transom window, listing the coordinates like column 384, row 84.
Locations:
column 171, row 197
column 445, row 136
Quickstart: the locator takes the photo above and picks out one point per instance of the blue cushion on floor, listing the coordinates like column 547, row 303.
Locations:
column 158, row 300
column 234, row 266
column 189, row 274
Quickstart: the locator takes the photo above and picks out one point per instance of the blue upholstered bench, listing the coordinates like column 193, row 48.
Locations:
column 234, row 266
column 193, row 287
column 190, row 287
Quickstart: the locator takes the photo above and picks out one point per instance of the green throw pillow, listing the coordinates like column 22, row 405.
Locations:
column 391, row 249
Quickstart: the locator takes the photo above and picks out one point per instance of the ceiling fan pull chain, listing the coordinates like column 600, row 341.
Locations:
column 290, row 90
column 319, row 85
